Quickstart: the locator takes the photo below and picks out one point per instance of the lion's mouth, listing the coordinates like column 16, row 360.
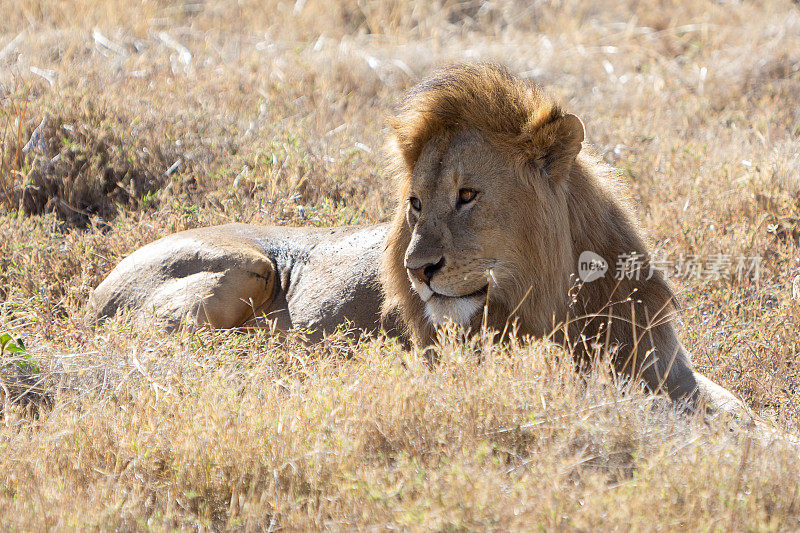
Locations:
column 426, row 292
column 480, row 292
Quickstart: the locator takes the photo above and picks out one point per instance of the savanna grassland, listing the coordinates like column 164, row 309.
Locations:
column 122, row 121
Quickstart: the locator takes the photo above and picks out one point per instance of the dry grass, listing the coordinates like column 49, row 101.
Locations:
column 159, row 116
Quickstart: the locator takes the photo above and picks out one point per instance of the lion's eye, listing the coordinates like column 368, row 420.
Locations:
column 416, row 205
column 465, row 196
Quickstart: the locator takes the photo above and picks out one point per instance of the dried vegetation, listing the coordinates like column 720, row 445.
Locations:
column 123, row 121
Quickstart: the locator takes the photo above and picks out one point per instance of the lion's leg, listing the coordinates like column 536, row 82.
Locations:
column 225, row 291
column 671, row 371
column 238, row 297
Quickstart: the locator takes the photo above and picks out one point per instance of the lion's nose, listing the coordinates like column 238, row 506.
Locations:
column 426, row 272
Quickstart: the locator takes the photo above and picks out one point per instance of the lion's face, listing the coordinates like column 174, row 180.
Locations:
column 483, row 165
column 466, row 215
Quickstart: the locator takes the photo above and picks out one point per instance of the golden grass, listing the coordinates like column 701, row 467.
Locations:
column 162, row 116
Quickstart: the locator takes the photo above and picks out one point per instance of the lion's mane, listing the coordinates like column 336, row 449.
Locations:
column 522, row 122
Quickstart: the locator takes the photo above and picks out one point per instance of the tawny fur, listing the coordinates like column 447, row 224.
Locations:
column 568, row 201
column 541, row 202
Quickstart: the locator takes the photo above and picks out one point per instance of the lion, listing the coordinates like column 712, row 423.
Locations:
column 224, row 277
column 497, row 202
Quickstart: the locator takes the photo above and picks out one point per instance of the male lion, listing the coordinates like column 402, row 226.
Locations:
column 496, row 204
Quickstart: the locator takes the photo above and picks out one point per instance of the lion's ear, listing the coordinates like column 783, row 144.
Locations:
column 568, row 134
column 573, row 129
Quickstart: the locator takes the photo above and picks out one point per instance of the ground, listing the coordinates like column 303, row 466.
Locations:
column 125, row 121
